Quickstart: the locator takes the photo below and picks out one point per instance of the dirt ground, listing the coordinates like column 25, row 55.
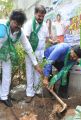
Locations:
column 43, row 108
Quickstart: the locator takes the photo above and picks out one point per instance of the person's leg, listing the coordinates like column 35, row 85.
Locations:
column 58, row 66
column 37, row 77
column 37, row 83
column 30, row 80
column 63, row 90
column 6, row 81
column 29, row 77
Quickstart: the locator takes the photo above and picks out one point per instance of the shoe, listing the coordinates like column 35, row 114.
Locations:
column 28, row 99
column 7, row 102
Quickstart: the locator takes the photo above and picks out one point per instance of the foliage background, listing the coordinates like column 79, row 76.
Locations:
column 6, row 7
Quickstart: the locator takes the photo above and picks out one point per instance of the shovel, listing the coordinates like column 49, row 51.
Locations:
column 64, row 105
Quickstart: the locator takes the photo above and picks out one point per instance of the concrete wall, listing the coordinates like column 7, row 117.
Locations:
column 29, row 5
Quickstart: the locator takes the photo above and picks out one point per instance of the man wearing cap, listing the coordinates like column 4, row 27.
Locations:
column 63, row 57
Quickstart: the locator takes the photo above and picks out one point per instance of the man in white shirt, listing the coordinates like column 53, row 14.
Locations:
column 11, row 33
column 38, row 29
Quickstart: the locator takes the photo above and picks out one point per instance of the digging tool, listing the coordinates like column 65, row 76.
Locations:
column 64, row 105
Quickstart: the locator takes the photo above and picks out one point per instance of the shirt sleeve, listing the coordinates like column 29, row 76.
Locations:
column 27, row 28
column 46, row 31
column 27, row 47
column 54, row 54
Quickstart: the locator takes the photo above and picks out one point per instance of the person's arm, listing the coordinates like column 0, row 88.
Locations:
column 26, row 45
column 27, row 29
column 52, row 54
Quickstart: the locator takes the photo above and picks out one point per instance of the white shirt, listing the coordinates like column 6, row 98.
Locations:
column 25, row 43
column 42, row 34
column 59, row 27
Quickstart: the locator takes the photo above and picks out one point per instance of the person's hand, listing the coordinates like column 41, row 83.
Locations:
column 39, row 69
column 45, row 81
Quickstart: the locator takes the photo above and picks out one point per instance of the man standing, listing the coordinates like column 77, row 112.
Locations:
column 63, row 57
column 10, row 33
column 37, row 33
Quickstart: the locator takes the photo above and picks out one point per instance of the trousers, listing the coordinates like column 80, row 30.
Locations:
column 6, row 79
column 32, row 76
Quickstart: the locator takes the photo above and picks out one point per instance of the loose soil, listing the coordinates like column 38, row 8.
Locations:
column 44, row 108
